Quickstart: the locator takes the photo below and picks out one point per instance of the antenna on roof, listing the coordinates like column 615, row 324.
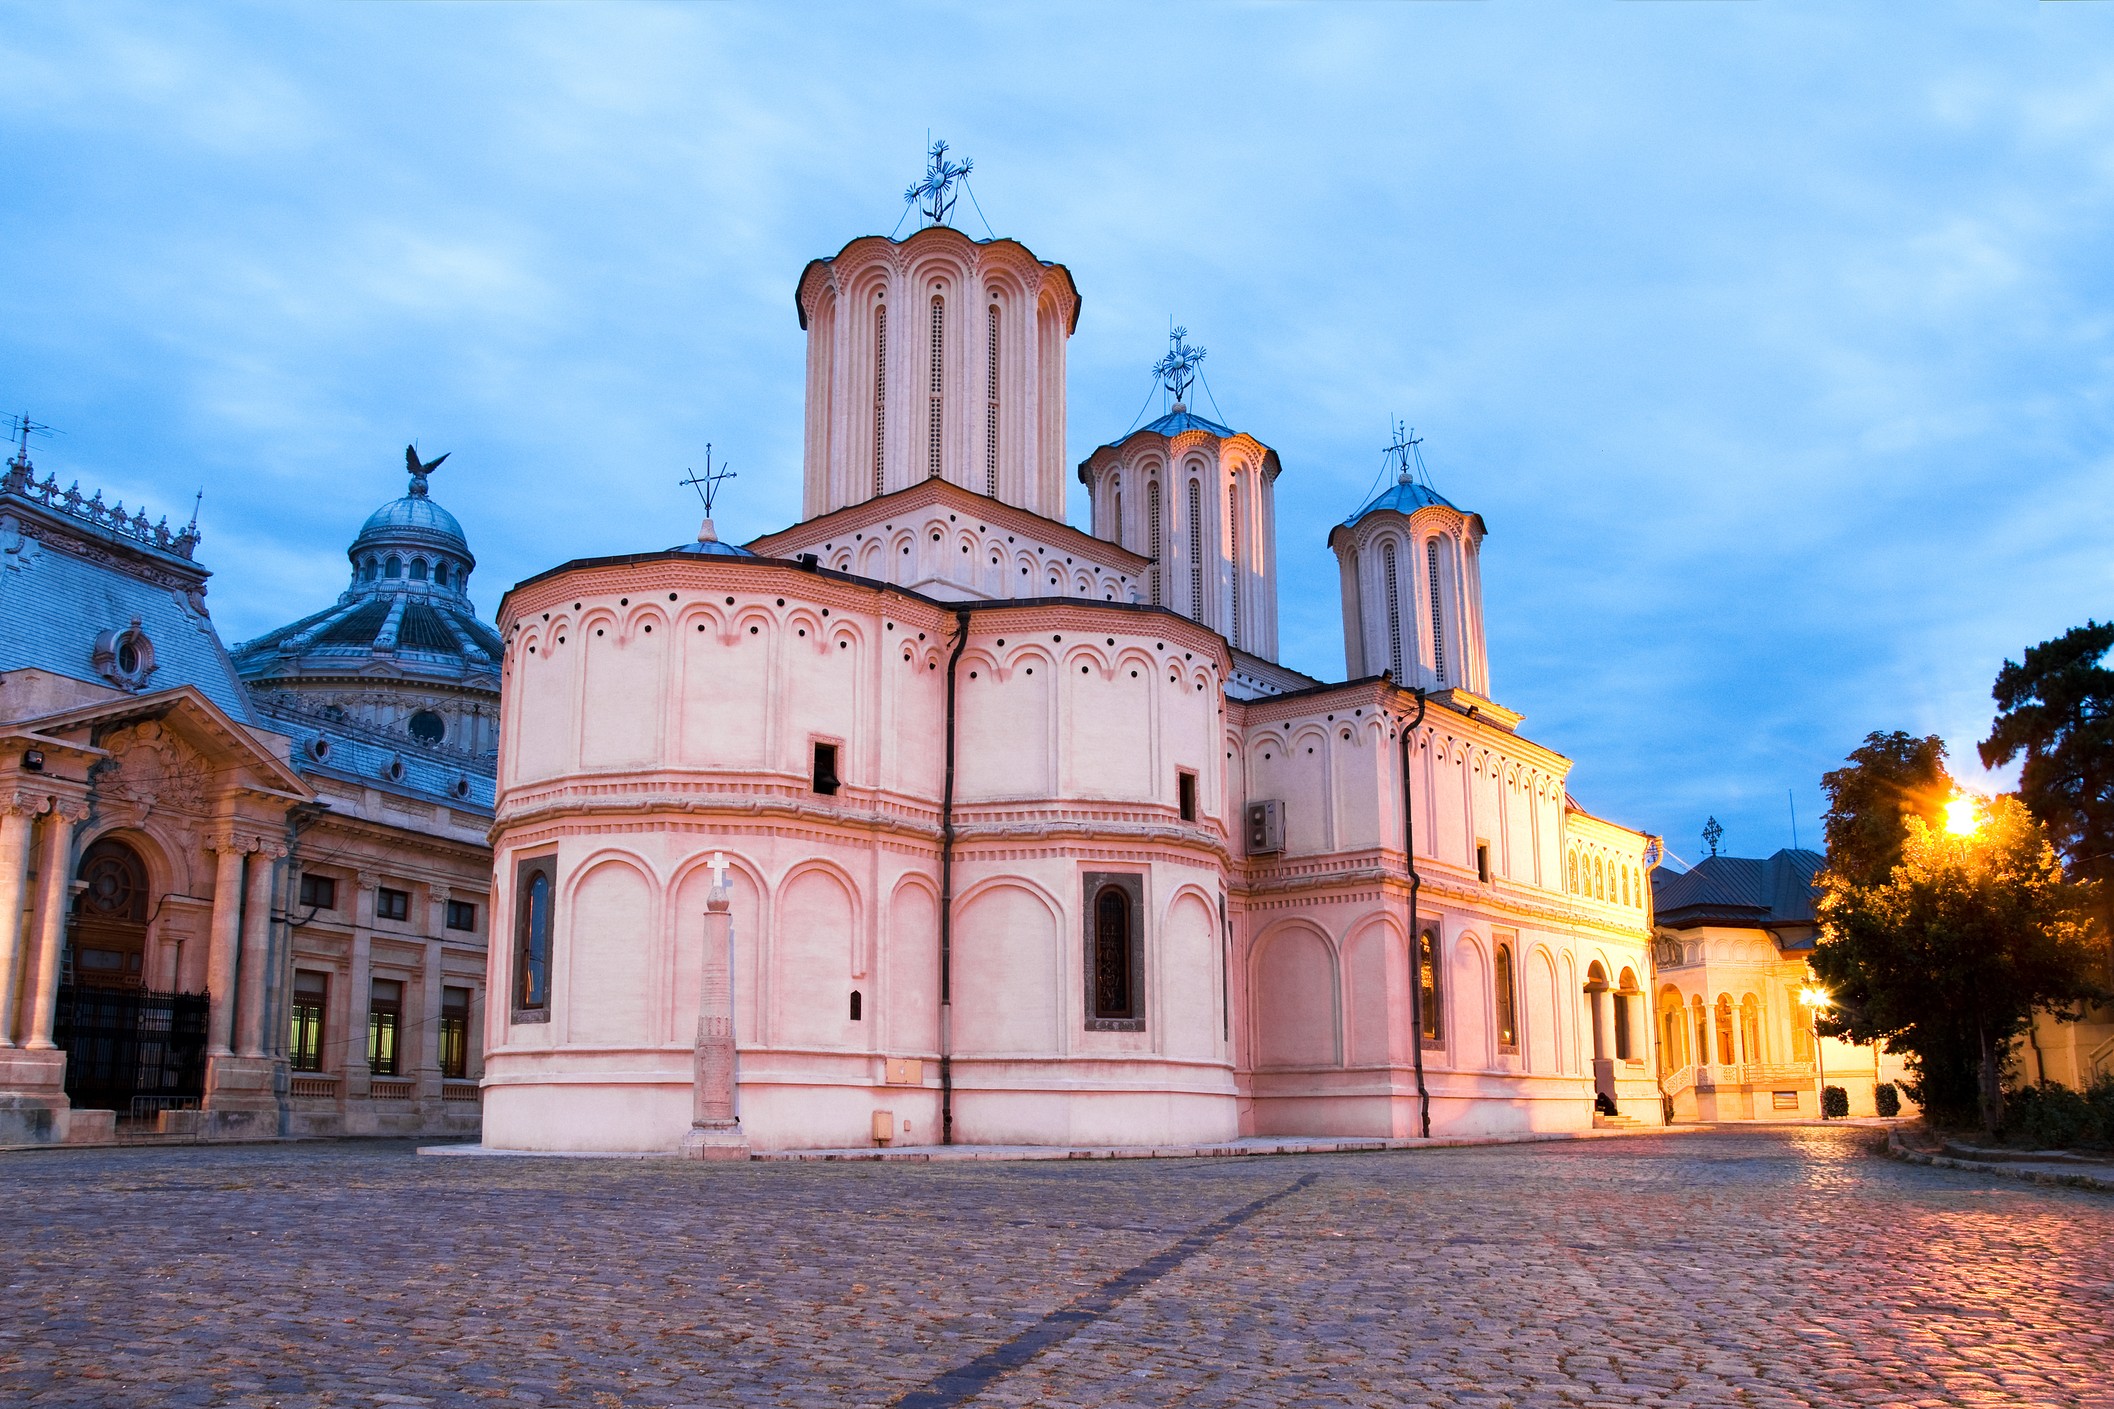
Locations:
column 707, row 487
column 19, row 430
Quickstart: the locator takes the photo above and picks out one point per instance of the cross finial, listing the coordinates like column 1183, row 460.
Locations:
column 1177, row 370
column 934, row 195
column 719, row 870
column 707, row 487
column 1402, row 451
column 1711, row 832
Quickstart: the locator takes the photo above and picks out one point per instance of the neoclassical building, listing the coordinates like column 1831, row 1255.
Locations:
column 1027, row 835
column 240, row 894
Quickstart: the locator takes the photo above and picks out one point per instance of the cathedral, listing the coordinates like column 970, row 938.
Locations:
column 933, row 818
column 243, row 893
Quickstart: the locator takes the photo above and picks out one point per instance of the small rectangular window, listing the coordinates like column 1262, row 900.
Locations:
column 1185, row 790
column 385, row 1016
column 454, row 1033
column 1783, row 1100
column 391, row 904
column 825, row 780
column 304, row 1044
column 1482, row 862
column 462, row 915
column 319, row 892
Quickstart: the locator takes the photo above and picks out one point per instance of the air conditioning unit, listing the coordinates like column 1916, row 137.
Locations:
column 1266, row 827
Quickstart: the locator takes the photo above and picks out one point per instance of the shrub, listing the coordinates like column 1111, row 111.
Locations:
column 1834, row 1103
column 1886, row 1100
column 2052, row 1117
column 2100, row 1097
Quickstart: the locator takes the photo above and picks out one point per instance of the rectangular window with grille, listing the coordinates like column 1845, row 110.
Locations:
column 454, row 1033
column 462, row 915
column 1114, row 905
column 385, row 1017
column 319, row 892
column 1196, row 551
column 391, row 904
column 991, row 406
column 880, row 393
column 937, row 385
column 304, row 1045
column 1438, row 627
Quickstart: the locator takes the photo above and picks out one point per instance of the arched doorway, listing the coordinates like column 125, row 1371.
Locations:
column 128, row 1049
column 108, row 937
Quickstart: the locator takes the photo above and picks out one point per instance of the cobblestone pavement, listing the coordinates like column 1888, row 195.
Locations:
column 1783, row 1266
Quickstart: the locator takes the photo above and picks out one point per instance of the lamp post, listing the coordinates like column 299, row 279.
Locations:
column 1813, row 1000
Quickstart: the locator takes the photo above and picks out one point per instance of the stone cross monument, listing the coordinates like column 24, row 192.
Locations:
column 715, row 1131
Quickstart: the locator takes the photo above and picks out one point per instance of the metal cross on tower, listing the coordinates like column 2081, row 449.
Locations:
column 934, row 196
column 1177, row 370
column 707, row 484
column 1712, row 830
column 1402, row 453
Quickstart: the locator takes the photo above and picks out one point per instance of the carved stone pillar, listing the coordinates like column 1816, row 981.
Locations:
column 715, row 1131
column 17, row 815
column 256, row 950
column 227, row 934
column 54, row 900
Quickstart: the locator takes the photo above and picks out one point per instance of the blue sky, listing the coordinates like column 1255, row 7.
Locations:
column 1775, row 342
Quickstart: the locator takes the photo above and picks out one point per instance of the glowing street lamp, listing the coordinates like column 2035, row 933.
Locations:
column 1813, row 1000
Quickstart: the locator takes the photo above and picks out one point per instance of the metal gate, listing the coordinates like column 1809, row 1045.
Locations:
column 131, row 1051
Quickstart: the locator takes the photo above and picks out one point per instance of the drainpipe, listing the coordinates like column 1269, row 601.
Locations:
column 1416, row 940
column 961, row 641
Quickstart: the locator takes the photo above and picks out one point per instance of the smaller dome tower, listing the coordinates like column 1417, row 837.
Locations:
column 402, row 652
column 1413, row 586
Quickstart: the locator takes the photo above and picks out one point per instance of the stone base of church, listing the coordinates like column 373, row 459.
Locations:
column 241, row 1101
column 33, row 1105
column 1384, row 1104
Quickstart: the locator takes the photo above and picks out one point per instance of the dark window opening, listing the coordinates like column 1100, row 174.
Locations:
column 1428, row 994
column 1482, row 861
column 304, row 1046
column 1114, row 984
column 825, row 779
column 428, row 727
column 319, row 892
column 855, row 1005
column 418, row 569
column 393, row 568
column 1185, row 788
column 1507, row 1007
column 454, row 1033
column 391, row 904
column 532, row 936
column 462, row 915
column 385, row 1016
column 1622, row 1027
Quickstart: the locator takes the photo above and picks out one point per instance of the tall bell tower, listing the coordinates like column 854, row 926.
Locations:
column 935, row 357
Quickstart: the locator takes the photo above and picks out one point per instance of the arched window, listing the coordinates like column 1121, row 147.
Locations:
column 857, row 1005
column 991, row 405
column 1727, row 1056
column 1625, row 885
column 1600, row 880
column 936, row 388
column 1233, row 545
column 369, row 570
column 1196, row 551
column 1670, row 1038
column 1507, row 1004
column 418, row 569
column 1574, row 873
column 1152, row 534
column 1115, row 985
column 393, row 568
column 440, row 574
column 1389, row 568
column 1750, row 1029
column 532, row 936
column 880, row 393
column 1428, row 994
column 1438, row 628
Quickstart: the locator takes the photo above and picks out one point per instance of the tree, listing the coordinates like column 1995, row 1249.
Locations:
column 1949, row 956
column 2057, row 708
column 1889, row 779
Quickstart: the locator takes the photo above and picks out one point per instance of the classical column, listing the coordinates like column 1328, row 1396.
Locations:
column 17, row 813
column 715, row 1131
column 359, row 989
column 1596, row 995
column 54, row 892
column 256, row 950
column 429, row 1077
column 227, row 933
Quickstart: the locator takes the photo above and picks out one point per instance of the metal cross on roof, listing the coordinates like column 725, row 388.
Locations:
column 1711, row 832
column 934, row 195
column 707, row 484
column 1403, row 454
column 1177, row 370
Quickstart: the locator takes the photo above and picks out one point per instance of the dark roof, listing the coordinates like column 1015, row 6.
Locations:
column 1739, row 891
column 1403, row 497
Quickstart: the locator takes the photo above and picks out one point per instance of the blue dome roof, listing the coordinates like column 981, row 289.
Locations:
column 716, row 549
column 413, row 511
column 1404, row 497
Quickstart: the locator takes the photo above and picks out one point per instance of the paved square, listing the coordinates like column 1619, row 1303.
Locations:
column 1765, row 1267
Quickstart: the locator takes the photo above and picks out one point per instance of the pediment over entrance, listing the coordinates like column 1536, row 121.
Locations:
column 174, row 748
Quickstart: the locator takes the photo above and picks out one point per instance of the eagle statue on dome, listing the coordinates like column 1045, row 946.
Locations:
column 420, row 469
